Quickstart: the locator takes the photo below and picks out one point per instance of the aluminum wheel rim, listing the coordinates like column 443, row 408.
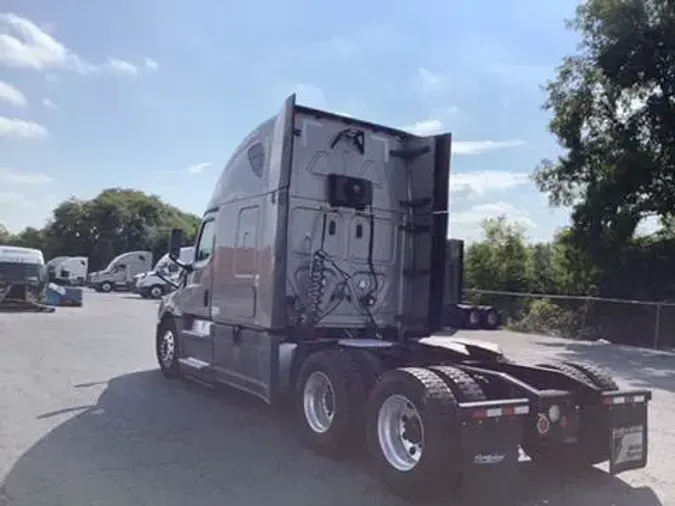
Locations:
column 106, row 287
column 492, row 318
column 155, row 292
column 167, row 348
column 400, row 433
column 319, row 402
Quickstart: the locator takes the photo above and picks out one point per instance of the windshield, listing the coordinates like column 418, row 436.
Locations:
column 162, row 263
column 17, row 271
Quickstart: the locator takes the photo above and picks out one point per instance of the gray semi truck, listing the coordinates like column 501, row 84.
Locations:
column 318, row 281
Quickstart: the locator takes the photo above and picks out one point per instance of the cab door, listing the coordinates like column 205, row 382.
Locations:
column 194, row 300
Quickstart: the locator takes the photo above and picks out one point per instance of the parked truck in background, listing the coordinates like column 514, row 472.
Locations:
column 153, row 284
column 318, row 281
column 52, row 267
column 71, row 271
column 23, row 276
column 120, row 271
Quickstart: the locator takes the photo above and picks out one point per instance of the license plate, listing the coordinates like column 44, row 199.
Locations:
column 628, row 448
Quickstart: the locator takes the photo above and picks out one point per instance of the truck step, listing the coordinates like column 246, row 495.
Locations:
column 415, row 203
column 409, row 153
column 413, row 228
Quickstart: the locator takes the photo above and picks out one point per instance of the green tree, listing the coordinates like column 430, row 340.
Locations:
column 500, row 260
column 5, row 235
column 115, row 221
column 613, row 106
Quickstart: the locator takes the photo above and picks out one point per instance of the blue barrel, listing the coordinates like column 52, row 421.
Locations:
column 63, row 296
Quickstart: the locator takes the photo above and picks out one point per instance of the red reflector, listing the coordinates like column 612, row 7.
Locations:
column 508, row 411
column 479, row 414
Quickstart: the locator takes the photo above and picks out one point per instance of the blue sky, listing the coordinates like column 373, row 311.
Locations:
column 155, row 95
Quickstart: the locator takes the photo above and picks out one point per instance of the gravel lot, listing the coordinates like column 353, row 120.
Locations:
column 87, row 419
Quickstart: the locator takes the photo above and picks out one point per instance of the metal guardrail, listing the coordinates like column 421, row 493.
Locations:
column 632, row 317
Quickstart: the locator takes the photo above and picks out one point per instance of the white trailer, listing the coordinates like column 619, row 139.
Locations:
column 72, row 271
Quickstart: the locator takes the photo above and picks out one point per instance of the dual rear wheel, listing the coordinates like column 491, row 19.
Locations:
column 408, row 414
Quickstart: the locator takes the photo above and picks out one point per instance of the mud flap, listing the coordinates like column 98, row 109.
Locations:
column 628, row 434
column 490, row 450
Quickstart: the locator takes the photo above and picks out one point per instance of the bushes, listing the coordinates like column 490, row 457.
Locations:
column 505, row 262
column 541, row 316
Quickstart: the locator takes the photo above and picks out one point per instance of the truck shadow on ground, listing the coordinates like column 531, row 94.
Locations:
column 157, row 442
column 644, row 368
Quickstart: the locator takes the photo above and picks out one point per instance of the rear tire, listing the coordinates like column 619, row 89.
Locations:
column 598, row 375
column 410, row 414
column 330, row 400
column 463, row 386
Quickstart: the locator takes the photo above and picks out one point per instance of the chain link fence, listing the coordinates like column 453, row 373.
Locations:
column 633, row 322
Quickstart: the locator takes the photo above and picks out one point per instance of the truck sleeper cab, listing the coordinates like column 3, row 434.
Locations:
column 318, row 281
column 71, row 271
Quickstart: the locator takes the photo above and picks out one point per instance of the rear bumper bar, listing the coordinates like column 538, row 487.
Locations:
column 492, row 431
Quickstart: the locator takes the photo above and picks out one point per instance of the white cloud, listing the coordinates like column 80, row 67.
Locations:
column 469, row 184
column 435, row 126
column 37, row 50
column 14, row 127
column 48, row 103
column 430, row 81
column 425, row 127
column 198, row 168
column 479, row 147
column 467, row 224
column 121, row 66
column 151, row 64
column 12, row 95
column 31, row 47
column 12, row 176
column 311, row 96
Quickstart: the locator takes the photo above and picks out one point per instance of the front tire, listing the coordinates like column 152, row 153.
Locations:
column 106, row 287
column 412, row 433
column 330, row 398
column 156, row 291
column 167, row 348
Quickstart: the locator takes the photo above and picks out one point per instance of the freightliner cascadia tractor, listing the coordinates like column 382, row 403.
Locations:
column 318, row 281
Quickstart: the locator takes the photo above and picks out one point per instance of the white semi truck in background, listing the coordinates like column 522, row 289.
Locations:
column 120, row 272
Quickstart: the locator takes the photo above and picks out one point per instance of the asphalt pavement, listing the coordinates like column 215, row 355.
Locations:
column 87, row 419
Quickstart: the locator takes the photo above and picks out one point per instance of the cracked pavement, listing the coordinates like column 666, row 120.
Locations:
column 87, row 419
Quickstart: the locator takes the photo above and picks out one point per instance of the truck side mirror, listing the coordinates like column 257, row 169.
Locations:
column 175, row 243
